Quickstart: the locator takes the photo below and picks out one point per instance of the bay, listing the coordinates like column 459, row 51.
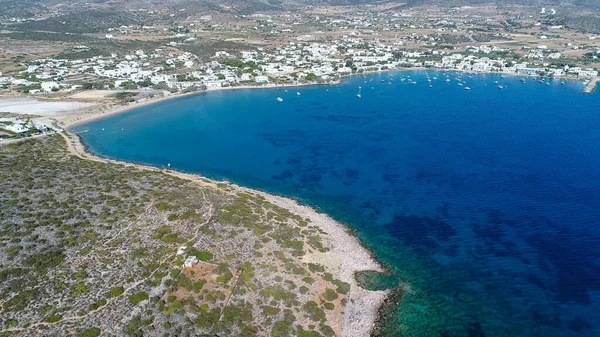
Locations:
column 483, row 202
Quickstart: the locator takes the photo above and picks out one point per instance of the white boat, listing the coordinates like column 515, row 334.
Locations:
column 447, row 80
column 359, row 95
column 460, row 84
column 279, row 99
column 431, row 86
column 298, row 93
column 467, row 88
column 500, row 87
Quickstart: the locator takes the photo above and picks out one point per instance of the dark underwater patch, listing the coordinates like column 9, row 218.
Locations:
column 578, row 324
column 492, row 232
column 497, row 217
column 420, row 231
column 475, row 330
column 552, row 321
column 350, row 177
column 286, row 174
column 576, row 275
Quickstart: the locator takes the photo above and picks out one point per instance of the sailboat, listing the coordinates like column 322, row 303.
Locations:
column 359, row 95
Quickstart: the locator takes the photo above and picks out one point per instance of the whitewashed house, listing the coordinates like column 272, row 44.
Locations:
column 261, row 79
column 190, row 261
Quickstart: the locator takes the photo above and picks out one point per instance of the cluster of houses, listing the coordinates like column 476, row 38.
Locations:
column 296, row 61
column 20, row 126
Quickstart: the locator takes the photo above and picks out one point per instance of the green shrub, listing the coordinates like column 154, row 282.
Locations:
column 98, row 304
column 225, row 277
column 308, row 334
column 53, row 318
column 201, row 255
column 138, row 297
column 313, row 311
column 330, row 295
column 309, row 280
column 342, row 287
column 91, row 332
column 116, row 291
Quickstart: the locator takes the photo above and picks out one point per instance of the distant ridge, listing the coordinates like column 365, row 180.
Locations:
column 540, row 3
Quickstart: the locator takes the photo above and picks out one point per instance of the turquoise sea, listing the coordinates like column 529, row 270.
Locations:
column 484, row 204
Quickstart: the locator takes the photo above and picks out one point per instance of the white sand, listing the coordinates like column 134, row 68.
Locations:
column 94, row 94
column 29, row 106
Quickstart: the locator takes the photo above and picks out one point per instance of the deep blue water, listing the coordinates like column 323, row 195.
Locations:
column 486, row 202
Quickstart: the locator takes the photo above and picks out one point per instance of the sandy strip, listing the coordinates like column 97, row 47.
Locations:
column 345, row 257
column 87, row 114
column 27, row 106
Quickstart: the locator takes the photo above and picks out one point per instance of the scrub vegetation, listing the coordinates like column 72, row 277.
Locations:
column 91, row 248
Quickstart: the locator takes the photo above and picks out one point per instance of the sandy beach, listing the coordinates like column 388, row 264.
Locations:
column 90, row 105
column 28, row 106
column 87, row 114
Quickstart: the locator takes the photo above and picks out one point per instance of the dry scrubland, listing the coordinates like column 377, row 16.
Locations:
column 89, row 248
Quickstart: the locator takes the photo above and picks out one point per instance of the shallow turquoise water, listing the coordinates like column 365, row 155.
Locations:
column 485, row 202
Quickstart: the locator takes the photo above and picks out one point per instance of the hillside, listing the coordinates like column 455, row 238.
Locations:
column 92, row 248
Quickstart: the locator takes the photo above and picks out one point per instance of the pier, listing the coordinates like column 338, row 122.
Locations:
column 590, row 87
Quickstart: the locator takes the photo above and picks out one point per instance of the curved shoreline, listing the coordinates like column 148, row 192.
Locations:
column 84, row 115
column 346, row 257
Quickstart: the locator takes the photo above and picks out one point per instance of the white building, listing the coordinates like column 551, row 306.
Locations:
column 213, row 84
column 190, row 261
column 48, row 86
column 588, row 73
column 246, row 77
column 261, row 79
